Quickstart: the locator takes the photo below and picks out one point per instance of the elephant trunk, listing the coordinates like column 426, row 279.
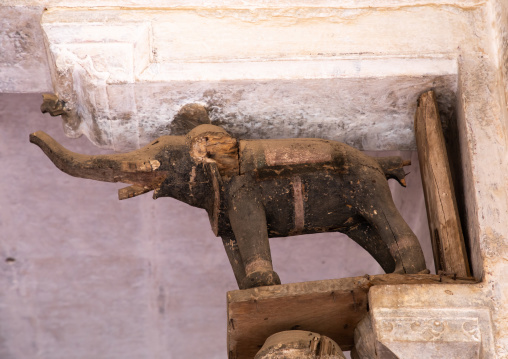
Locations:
column 138, row 168
column 100, row 168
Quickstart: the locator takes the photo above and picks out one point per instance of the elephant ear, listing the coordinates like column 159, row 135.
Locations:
column 189, row 117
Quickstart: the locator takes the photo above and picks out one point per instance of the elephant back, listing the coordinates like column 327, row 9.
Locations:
column 281, row 156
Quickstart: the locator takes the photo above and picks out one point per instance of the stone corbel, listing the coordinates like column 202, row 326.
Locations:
column 445, row 321
column 90, row 60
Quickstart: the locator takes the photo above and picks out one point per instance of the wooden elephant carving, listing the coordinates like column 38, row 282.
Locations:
column 257, row 189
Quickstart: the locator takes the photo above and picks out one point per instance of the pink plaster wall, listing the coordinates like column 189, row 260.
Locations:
column 83, row 275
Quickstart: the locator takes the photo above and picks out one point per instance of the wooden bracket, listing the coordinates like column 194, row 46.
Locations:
column 444, row 223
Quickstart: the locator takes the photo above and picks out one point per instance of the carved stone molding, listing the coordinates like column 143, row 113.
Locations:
column 422, row 330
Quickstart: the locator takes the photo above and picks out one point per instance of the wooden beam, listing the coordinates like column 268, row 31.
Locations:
column 444, row 223
column 329, row 307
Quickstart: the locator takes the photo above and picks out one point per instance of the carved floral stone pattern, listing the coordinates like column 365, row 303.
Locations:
column 435, row 323
column 433, row 329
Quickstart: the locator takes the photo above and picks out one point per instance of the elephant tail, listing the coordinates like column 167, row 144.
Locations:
column 393, row 167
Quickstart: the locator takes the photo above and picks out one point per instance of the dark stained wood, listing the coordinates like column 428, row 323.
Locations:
column 331, row 308
column 444, row 222
column 260, row 189
column 139, row 168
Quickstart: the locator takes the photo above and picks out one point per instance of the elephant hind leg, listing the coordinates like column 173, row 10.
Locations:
column 375, row 204
column 366, row 236
column 406, row 244
column 399, row 238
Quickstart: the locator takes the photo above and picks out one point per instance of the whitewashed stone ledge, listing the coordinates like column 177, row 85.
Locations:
column 332, row 73
column 244, row 3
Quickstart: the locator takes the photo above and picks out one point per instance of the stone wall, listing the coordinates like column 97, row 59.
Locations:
column 23, row 60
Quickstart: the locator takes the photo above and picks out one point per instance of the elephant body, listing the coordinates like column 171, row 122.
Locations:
column 257, row 189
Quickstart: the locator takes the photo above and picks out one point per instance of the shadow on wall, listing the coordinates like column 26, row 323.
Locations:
column 97, row 277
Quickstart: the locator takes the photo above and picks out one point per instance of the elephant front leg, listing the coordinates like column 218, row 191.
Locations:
column 248, row 221
column 235, row 259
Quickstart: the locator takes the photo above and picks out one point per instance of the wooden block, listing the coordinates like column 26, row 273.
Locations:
column 331, row 308
column 446, row 232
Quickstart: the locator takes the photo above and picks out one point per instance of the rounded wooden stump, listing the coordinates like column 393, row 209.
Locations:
column 299, row 344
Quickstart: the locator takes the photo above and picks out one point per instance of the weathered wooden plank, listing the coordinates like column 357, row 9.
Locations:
column 444, row 222
column 329, row 307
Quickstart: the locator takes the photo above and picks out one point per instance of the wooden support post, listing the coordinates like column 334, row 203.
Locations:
column 447, row 239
